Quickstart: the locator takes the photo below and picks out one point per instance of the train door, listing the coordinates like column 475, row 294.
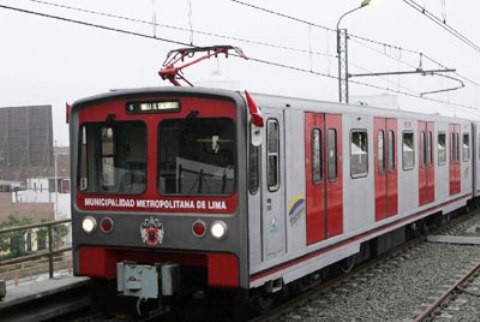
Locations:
column 386, row 175
column 426, row 167
column 273, row 214
column 324, row 181
column 454, row 167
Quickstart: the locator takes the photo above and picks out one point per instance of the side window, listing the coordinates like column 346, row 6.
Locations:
column 457, row 147
column 442, row 149
column 358, row 154
column 83, row 161
column 381, row 151
column 316, row 156
column 272, row 155
column 430, row 149
column 332, row 154
column 254, row 169
column 391, row 150
column 423, row 144
column 408, row 151
column 454, row 157
column 466, row 147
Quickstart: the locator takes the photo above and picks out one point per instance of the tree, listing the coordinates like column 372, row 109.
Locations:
column 13, row 243
column 59, row 232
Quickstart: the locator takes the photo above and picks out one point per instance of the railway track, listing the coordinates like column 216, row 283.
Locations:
column 440, row 308
column 391, row 287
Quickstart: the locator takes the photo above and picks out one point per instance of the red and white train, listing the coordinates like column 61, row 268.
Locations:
column 181, row 189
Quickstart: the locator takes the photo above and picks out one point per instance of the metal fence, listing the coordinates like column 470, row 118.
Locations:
column 39, row 255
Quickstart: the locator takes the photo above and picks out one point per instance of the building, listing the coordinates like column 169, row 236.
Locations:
column 26, row 142
column 43, row 190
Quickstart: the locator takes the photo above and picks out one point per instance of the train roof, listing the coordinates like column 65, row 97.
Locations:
column 267, row 100
column 162, row 90
column 335, row 107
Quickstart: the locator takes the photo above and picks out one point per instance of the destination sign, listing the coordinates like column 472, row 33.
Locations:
column 153, row 107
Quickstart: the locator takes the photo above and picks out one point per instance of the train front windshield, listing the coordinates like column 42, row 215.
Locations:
column 197, row 156
column 113, row 157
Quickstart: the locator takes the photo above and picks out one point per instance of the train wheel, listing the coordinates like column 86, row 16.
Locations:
column 347, row 264
column 264, row 302
column 424, row 227
column 445, row 219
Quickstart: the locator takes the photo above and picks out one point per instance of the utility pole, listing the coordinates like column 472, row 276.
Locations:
column 55, row 157
column 342, row 52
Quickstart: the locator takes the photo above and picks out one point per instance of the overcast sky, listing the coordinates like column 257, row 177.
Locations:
column 46, row 61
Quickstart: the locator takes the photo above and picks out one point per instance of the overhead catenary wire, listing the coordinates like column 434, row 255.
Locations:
column 442, row 24
column 89, row 24
column 282, row 15
column 253, row 42
column 265, row 44
column 350, row 35
column 178, row 28
column 258, row 60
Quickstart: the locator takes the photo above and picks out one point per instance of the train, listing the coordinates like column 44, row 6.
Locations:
column 177, row 190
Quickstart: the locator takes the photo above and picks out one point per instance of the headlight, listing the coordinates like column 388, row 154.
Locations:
column 219, row 229
column 89, row 224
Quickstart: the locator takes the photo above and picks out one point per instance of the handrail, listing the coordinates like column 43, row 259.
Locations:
column 50, row 253
column 47, row 223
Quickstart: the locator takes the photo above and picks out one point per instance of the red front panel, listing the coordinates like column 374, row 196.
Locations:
column 454, row 151
column 97, row 262
column 315, row 190
column 222, row 269
column 334, row 179
column 386, row 175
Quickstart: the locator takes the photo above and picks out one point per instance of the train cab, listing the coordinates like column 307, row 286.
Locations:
column 158, row 189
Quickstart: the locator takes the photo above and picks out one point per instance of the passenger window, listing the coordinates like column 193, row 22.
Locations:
column 254, row 167
column 430, row 149
column 272, row 155
column 358, row 154
column 466, row 147
column 316, row 155
column 454, row 148
column 391, row 151
column 424, row 149
column 408, row 151
column 381, row 152
column 332, row 154
column 442, row 149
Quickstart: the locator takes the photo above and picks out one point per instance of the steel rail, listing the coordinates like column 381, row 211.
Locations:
column 433, row 307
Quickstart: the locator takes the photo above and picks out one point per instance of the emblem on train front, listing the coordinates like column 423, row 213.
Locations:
column 151, row 231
